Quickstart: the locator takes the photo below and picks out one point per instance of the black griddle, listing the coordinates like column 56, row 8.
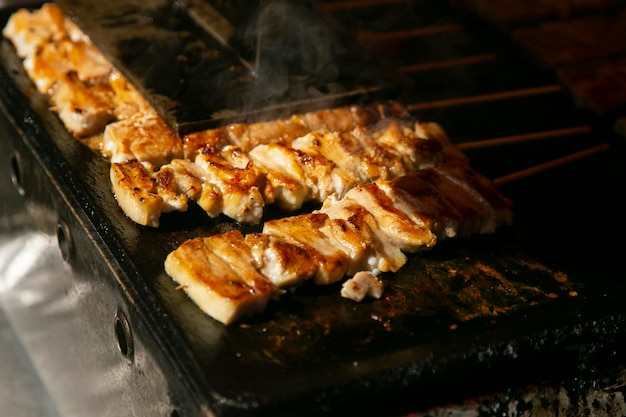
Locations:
column 542, row 300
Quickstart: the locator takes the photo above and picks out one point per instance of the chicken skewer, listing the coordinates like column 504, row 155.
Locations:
column 313, row 167
column 367, row 232
column 247, row 136
column 85, row 90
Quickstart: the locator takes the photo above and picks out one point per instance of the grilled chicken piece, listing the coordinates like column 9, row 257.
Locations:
column 127, row 101
column 84, row 110
column 288, row 193
column 344, row 150
column 404, row 233
column 385, row 162
column 285, row 264
column 194, row 143
column 342, row 153
column 176, row 184
column 239, row 186
column 371, row 154
column 355, row 243
column 180, row 181
column 384, row 256
column 445, row 206
column 286, row 161
column 342, row 119
column 286, row 179
column 495, row 205
column 237, row 158
column 135, row 192
column 51, row 60
column 217, row 274
column 275, row 131
column 338, row 184
column 411, row 144
column 46, row 64
column 145, row 138
column 218, row 182
column 317, row 176
column 362, row 284
column 29, row 30
column 88, row 62
column 232, row 248
column 421, row 202
column 305, row 231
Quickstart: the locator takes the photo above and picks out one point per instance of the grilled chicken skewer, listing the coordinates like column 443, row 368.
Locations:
column 85, row 90
column 240, row 184
column 367, row 232
column 248, row 136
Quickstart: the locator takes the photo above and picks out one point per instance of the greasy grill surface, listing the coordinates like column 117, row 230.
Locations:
column 547, row 291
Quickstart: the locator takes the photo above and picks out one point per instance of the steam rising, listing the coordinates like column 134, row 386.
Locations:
column 300, row 55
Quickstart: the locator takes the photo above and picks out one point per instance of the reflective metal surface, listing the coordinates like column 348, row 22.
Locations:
column 22, row 393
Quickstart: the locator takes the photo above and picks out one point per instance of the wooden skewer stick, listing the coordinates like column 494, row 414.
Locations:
column 353, row 4
column 409, row 33
column 508, row 140
column 551, row 164
column 476, row 59
column 485, row 97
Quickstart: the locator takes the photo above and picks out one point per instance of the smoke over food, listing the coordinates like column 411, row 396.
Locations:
column 300, row 55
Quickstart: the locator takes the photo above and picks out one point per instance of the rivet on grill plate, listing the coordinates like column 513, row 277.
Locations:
column 15, row 165
column 64, row 241
column 123, row 335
